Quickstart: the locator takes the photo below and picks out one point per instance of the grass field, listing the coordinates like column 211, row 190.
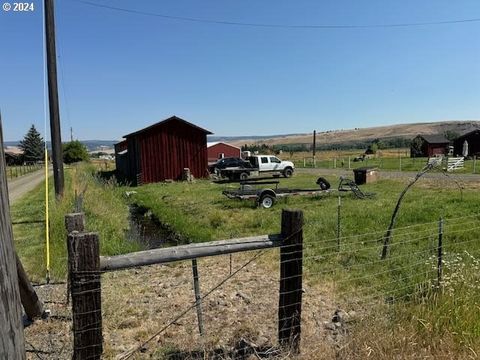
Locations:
column 401, row 310
column 99, row 201
column 408, row 277
column 389, row 160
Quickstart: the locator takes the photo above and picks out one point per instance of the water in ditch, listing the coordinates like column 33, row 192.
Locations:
column 146, row 229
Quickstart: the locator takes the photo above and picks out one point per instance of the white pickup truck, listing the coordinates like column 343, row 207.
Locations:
column 271, row 164
column 238, row 169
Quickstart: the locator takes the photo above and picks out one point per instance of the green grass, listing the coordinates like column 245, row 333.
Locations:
column 199, row 212
column 408, row 276
column 105, row 211
column 383, row 163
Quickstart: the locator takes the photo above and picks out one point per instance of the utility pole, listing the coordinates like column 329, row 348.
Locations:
column 314, row 146
column 12, row 343
column 71, row 134
column 56, row 138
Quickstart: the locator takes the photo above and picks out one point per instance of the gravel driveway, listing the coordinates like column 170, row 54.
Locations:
column 23, row 184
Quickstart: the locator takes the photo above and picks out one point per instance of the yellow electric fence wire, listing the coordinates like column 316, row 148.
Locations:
column 47, row 232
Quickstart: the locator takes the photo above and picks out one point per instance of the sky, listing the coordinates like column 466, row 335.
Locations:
column 122, row 70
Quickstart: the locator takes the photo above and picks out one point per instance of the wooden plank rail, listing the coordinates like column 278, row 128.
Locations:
column 85, row 267
column 188, row 252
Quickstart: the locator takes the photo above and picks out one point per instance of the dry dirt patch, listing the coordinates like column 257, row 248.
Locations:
column 137, row 303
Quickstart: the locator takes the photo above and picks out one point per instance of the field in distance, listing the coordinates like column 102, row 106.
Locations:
column 408, row 131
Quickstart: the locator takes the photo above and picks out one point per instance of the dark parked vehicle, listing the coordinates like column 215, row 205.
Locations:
column 231, row 162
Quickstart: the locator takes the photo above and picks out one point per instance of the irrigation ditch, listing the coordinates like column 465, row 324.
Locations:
column 149, row 231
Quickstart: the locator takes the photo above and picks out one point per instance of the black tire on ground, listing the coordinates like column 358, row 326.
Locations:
column 288, row 172
column 244, row 176
column 323, row 183
column 267, row 201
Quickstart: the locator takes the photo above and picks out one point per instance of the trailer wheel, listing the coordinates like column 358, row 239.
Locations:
column 244, row 176
column 288, row 172
column 267, row 201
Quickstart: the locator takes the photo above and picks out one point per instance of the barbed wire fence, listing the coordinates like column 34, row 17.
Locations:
column 153, row 311
column 408, row 273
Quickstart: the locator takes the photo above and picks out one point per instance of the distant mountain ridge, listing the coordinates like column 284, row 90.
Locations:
column 407, row 131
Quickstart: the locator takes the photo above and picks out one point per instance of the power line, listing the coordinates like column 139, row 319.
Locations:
column 282, row 26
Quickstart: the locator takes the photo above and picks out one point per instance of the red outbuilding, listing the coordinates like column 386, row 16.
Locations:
column 220, row 150
column 429, row 146
column 161, row 151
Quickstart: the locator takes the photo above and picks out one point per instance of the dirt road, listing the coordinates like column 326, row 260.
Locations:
column 21, row 185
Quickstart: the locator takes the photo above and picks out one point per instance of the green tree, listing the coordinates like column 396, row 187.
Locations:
column 33, row 146
column 74, row 151
column 373, row 147
column 416, row 147
column 451, row 135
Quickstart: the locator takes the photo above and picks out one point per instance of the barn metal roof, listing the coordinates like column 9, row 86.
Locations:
column 213, row 143
column 435, row 139
column 468, row 134
column 163, row 122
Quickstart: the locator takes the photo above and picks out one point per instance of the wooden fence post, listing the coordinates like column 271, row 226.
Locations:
column 198, row 297
column 339, row 209
column 84, row 265
column 440, row 253
column 12, row 343
column 291, row 260
column 31, row 303
column 73, row 222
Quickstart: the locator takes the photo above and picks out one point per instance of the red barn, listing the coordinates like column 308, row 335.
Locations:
column 429, row 146
column 161, row 151
column 220, row 150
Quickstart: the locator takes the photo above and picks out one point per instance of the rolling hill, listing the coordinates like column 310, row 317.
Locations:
column 407, row 131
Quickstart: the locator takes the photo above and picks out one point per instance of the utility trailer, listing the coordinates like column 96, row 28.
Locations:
column 267, row 196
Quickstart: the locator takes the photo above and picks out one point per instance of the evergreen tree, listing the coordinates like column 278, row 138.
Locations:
column 416, row 147
column 74, row 151
column 32, row 145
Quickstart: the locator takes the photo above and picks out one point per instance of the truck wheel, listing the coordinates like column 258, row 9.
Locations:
column 267, row 201
column 288, row 172
column 243, row 176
